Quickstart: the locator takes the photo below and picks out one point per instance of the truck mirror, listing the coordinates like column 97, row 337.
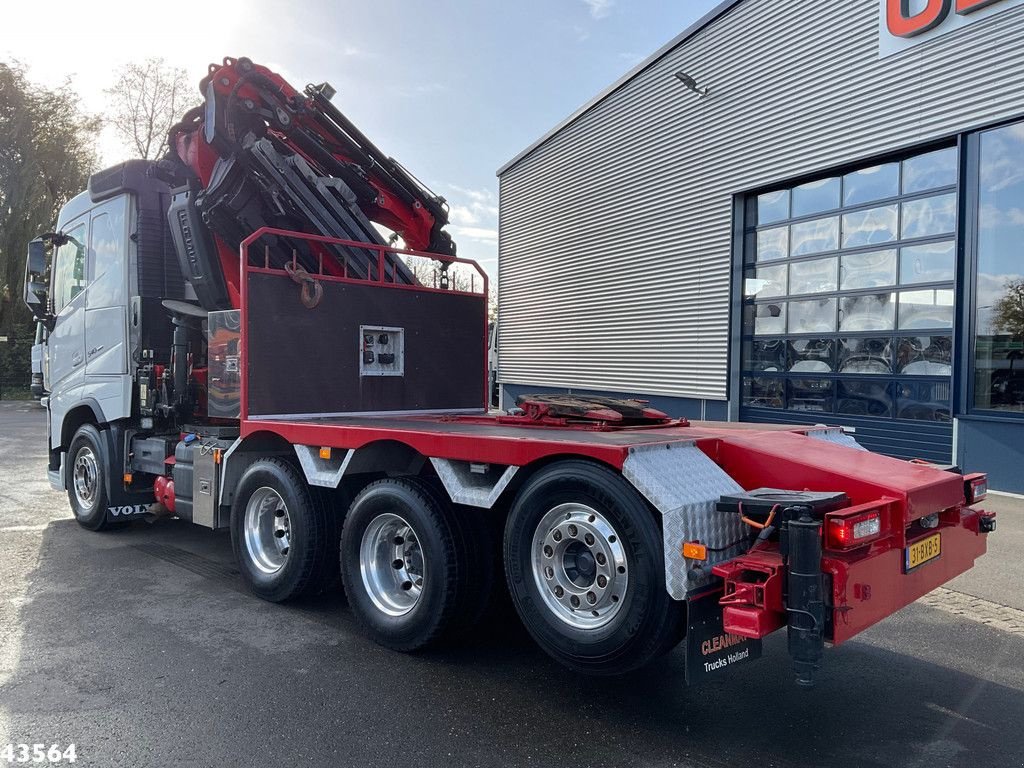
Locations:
column 35, row 285
column 36, row 256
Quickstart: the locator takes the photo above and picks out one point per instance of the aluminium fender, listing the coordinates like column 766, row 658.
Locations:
column 684, row 485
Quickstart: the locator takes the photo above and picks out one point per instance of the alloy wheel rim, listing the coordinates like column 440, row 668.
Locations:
column 392, row 564
column 580, row 566
column 85, row 476
column 267, row 527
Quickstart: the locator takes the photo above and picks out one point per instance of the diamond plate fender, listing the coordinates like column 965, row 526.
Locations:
column 325, row 473
column 466, row 487
column 684, row 484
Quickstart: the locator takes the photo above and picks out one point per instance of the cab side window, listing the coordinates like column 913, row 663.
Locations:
column 107, row 255
column 69, row 278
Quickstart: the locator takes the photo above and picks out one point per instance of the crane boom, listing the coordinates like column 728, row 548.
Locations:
column 259, row 153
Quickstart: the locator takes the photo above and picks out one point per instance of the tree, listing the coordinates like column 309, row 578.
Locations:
column 146, row 100
column 1008, row 312
column 47, row 152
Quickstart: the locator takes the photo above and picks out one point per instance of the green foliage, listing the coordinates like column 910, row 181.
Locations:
column 1009, row 310
column 47, row 152
column 16, row 359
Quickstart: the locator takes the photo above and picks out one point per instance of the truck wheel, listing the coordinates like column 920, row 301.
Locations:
column 404, row 563
column 87, row 479
column 279, row 532
column 584, row 563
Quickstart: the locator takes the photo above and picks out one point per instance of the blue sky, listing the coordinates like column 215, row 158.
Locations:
column 451, row 89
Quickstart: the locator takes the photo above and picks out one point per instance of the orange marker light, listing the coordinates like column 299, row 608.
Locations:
column 127, row 478
column 325, row 453
column 694, row 551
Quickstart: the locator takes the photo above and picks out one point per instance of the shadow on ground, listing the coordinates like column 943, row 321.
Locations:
column 143, row 647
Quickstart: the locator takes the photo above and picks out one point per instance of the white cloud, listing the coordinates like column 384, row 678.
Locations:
column 419, row 89
column 474, row 233
column 462, row 215
column 599, row 8
column 472, row 213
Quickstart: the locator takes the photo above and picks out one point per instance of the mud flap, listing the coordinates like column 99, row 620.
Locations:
column 710, row 650
column 122, row 503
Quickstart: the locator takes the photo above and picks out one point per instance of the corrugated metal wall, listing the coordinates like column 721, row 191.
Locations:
column 615, row 235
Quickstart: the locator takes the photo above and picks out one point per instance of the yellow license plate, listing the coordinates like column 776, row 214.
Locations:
column 920, row 552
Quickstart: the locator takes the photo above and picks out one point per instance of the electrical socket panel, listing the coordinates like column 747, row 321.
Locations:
column 381, row 351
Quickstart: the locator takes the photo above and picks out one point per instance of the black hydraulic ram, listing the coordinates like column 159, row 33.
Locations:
column 805, row 602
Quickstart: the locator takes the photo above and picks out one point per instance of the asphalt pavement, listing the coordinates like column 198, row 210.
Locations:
column 143, row 647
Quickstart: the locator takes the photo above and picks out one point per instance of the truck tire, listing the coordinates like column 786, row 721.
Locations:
column 406, row 565
column 87, row 479
column 280, row 532
column 584, row 563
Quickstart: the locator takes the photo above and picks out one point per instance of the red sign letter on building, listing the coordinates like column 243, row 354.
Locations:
column 963, row 7
column 903, row 23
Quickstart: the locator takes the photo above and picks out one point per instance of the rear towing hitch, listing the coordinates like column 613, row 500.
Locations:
column 805, row 604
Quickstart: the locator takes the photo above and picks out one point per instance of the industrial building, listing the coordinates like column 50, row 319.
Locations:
column 795, row 213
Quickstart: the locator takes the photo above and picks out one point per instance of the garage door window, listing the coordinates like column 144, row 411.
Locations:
column 848, row 294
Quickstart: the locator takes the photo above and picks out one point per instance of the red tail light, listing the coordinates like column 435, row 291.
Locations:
column 975, row 488
column 852, row 530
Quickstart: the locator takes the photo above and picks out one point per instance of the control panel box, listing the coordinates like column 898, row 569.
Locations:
column 381, row 351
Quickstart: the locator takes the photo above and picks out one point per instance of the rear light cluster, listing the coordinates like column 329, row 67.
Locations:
column 852, row 530
column 975, row 488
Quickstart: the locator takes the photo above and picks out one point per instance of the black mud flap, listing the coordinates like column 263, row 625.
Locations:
column 127, row 511
column 710, row 651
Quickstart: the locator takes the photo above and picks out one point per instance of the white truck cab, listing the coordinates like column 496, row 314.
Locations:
column 89, row 294
column 96, row 285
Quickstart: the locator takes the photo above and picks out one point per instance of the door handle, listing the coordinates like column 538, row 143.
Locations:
column 76, row 359
column 94, row 350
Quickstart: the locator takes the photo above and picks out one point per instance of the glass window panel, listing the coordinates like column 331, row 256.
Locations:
column 929, row 217
column 773, row 206
column 812, row 316
column 864, row 398
column 999, row 308
column 764, row 392
column 926, row 309
column 811, row 355
column 69, row 269
column 930, row 171
column 924, row 355
column 763, row 319
column 932, row 263
column 768, row 356
column 815, row 236
column 865, row 356
column 772, row 244
column 868, row 184
column 815, row 197
column 923, row 400
column 816, row 276
column 873, row 312
column 870, row 227
column 810, row 395
column 109, row 255
column 765, row 282
column 874, row 269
